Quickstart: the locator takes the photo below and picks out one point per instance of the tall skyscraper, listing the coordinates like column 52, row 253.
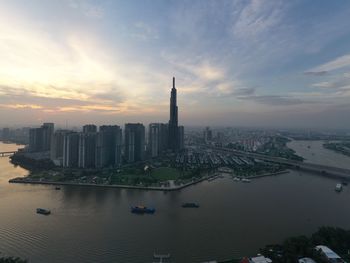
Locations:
column 5, row 134
column 48, row 130
column 40, row 138
column 56, row 149
column 134, row 142
column 71, row 149
column 157, row 139
column 181, row 137
column 36, row 140
column 154, row 139
column 89, row 128
column 87, row 148
column 109, row 146
column 173, row 121
column 208, row 135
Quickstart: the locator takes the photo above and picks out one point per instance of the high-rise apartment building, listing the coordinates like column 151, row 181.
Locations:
column 5, row 134
column 89, row 128
column 40, row 138
column 157, row 139
column 48, row 130
column 109, row 146
column 87, row 149
column 71, row 149
column 56, row 149
column 134, row 142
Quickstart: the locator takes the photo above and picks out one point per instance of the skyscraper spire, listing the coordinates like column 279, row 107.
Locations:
column 173, row 121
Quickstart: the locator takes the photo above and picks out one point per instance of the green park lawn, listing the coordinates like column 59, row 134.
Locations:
column 165, row 173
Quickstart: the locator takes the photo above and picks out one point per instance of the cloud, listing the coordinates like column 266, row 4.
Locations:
column 339, row 83
column 21, row 106
column 275, row 100
column 316, row 73
column 144, row 32
column 87, row 8
column 338, row 63
column 258, row 17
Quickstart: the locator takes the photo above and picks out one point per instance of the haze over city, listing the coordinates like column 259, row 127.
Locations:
column 250, row 63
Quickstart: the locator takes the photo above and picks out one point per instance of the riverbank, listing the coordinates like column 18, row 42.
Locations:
column 268, row 174
column 25, row 180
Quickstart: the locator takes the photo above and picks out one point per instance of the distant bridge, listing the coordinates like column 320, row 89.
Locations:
column 323, row 169
column 4, row 154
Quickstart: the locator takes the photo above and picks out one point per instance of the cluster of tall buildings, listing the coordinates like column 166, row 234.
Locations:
column 40, row 138
column 108, row 146
column 89, row 148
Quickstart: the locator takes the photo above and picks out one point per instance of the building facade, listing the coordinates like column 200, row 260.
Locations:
column 87, row 150
column 71, row 149
column 109, row 146
column 56, row 149
column 89, row 128
column 134, row 142
column 173, row 139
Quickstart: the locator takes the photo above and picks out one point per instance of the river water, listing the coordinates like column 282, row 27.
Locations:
column 95, row 224
column 314, row 152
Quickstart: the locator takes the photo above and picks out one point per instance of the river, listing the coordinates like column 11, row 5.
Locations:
column 314, row 152
column 95, row 224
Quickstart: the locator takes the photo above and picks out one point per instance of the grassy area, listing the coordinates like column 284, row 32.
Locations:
column 165, row 173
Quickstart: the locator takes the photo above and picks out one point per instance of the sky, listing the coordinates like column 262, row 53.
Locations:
column 272, row 63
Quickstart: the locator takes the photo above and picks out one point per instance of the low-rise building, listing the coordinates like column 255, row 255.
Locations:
column 329, row 254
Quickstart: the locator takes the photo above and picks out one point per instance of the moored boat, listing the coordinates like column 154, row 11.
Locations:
column 245, row 180
column 43, row 211
column 142, row 210
column 190, row 205
column 338, row 187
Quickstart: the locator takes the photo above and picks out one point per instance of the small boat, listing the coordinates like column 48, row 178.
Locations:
column 338, row 187
column 161, row 257
column 142, row 210
column 43, row 211
column 213, row 178
column 57, row 188
column 236, row 179
column 245, row 180
column 190, row 205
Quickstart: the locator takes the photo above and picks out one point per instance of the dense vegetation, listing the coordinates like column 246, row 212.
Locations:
column 31, row 164
column 296, row 247
column 341, row 147
column 12, row 260
column 277, row 147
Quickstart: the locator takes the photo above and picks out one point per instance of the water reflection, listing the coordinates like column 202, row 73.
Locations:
column 95, row 224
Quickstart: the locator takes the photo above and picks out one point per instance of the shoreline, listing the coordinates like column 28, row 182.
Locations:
column 268, row 174
column 24, row 180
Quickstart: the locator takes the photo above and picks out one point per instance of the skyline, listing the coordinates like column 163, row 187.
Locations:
column 245, row 63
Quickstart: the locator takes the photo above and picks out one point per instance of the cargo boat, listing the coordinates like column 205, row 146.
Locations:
column 190, row 205
column 338, row 187
column 142, row 210
column 43, row 211
column 244, row 180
